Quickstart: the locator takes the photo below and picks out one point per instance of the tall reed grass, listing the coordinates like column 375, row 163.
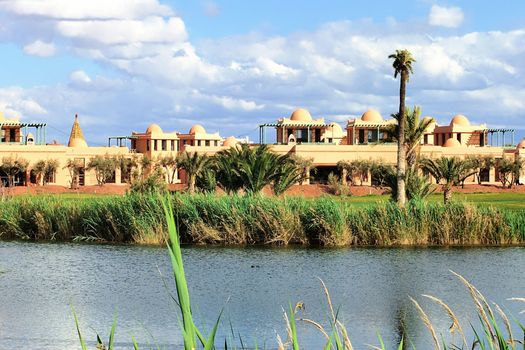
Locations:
column 240, row 220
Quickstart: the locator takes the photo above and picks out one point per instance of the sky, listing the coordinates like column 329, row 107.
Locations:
column 231, row 65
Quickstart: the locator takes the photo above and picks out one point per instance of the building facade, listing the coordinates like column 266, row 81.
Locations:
column 324, row 143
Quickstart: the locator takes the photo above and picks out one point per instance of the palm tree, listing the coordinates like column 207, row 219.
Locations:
column 253, row 168
column 403, row 66
column 289, row 172
column 415, row 128
column 226, row 164
column 194, row 164
column 449, row 170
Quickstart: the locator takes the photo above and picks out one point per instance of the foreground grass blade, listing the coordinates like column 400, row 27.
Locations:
column 112, row 332
column 293, row 330
column 82, row 344
column 211, row 339
column 135, row 345
column 189, row 330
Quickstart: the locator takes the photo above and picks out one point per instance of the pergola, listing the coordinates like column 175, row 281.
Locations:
column 120, row 141
column 497, row 133
column 374, row 126
column 284, row 126
column 40, row 131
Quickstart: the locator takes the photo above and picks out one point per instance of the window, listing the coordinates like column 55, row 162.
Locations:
column 155, row 145
column 173, row 145
column 191, row 142
column 50, row 177
column 482, row 140
column 216, row 143
column 372, row 135
column 361, row 136
column 164, row 146
column 425, row 139
column 459, row 137
column 207, row 143
column 147, row 145
column 199, row 143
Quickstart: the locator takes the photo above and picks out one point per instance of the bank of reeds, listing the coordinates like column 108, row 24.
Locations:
column 212, row 219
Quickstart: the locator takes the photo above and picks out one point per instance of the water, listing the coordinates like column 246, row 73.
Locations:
column 38, row 282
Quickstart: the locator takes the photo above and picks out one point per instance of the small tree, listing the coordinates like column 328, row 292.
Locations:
column 13, row 166
column 39, row 169
column 305, row 165
column 169, row 164
column 481, row 164
column 510, row 171
column 154, row 183
column 74, row 168
column 104, row 167
column 361, row 168
column 128, row 166
column 50, row 170
column 381, row 172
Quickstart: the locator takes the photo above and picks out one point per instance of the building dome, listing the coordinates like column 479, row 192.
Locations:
column 337, row 131
column 197, row 128
column 452, row 142
column 460, row 120
column 521, row 144
column 301, row 115
column 371, row 115
column 230, row 142
column 154, row 129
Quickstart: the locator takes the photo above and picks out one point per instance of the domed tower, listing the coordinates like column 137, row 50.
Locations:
column 76, row 139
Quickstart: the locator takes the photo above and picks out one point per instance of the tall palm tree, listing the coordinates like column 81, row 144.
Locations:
column 415, row 128
column 447, row 170
column 403, row 67
column 194, row 164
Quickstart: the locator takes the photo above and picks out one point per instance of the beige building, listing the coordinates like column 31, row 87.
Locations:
column 325, row 143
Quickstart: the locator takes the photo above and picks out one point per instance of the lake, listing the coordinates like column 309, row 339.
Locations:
column 369, row 287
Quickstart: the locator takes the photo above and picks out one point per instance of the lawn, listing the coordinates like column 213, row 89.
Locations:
column 506, row 200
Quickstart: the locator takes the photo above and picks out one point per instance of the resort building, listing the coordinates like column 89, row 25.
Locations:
column 324, row 143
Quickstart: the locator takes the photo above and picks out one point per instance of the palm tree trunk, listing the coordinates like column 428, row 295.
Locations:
column 191, row 184
column 401, row 151
column 344, row 175
column 447, row 194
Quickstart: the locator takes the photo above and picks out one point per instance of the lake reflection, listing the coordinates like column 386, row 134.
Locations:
column 369, row 286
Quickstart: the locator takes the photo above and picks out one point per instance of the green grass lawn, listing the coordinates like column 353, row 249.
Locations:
column 513, row 201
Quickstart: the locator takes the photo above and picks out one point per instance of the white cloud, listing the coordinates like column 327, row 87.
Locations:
column 112, row 32
column 449, row 17
column 79, row 76
column 40, row 48
column 81, row 10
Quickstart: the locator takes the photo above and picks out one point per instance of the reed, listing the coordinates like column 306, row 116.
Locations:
column 257, row 219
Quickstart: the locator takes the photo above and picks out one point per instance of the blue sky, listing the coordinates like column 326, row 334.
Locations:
column 230, row 65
